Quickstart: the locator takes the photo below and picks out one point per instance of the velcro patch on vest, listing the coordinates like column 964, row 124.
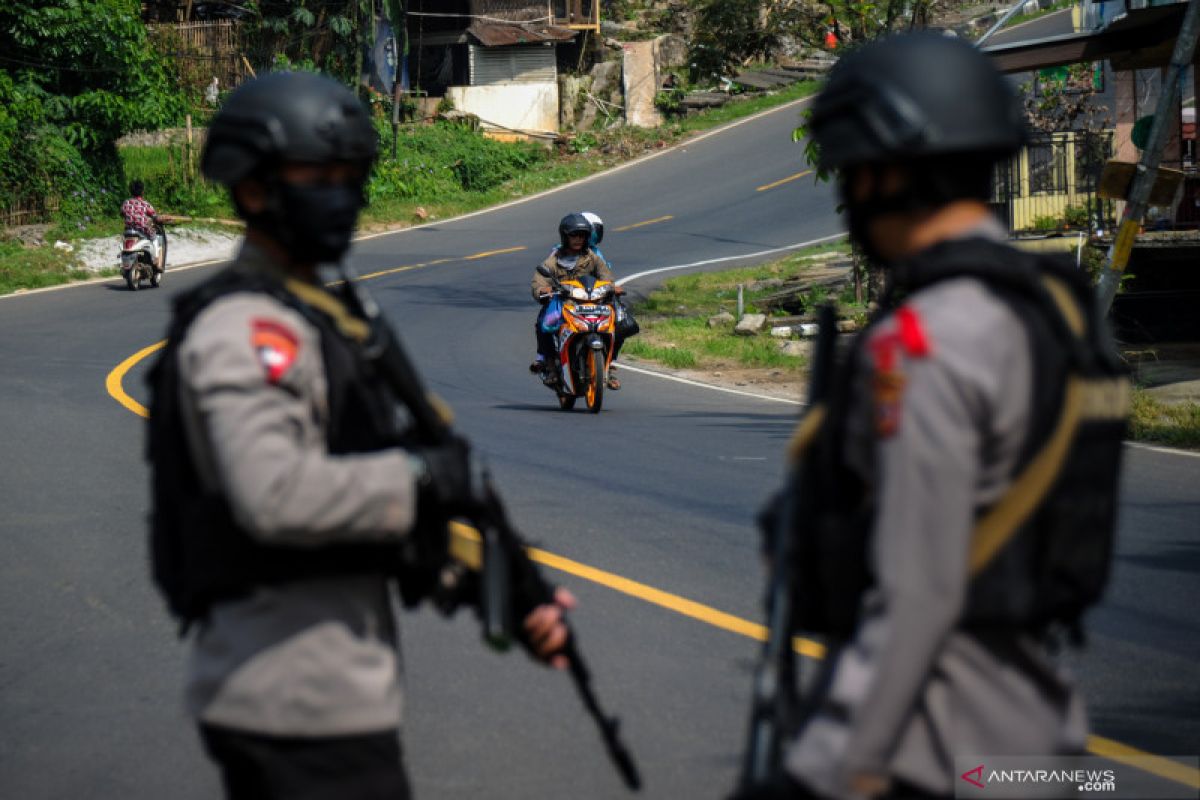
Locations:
column 275, row 345
column 906, row 339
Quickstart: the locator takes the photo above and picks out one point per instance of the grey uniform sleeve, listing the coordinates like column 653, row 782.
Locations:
column 259, row 415
column 927, row 446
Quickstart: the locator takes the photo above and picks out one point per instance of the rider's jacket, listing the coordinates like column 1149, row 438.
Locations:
column 563, row 267
column 280, row 499
column 968, row 463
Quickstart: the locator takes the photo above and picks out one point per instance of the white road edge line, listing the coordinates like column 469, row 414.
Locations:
column 714, row 387
column 597, row 176
column 1160, row 449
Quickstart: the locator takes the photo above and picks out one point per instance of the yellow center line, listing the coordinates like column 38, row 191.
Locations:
column 487, row 253
column 392, row 271
column 647, row 222
column 113, row 382
column 1155, row 765
column 785, row 180
column 1097, row 745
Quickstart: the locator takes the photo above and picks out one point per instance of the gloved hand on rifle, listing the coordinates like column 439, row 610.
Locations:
column 443, row 476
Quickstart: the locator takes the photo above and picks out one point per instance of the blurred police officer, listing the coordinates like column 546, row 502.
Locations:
column 967, row 481
column 282, row 494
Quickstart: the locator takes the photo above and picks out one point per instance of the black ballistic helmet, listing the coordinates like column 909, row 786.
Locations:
column 915, row 96
column 286, row 116
column 574, row 223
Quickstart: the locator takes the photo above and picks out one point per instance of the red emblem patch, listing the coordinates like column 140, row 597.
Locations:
column 275, row 345
column 908, row 338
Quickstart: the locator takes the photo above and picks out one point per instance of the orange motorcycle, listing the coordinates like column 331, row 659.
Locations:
column 584, row 336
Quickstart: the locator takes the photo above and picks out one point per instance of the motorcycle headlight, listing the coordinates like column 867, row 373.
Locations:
column 579, row 293
column 601, row 292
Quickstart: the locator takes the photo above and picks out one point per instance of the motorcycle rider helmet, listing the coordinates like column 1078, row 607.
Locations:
column 597, row 227
column 573, row 223
column 289, row 118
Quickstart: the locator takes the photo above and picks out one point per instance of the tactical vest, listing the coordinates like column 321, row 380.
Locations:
column 1039, row 556
column 200, row 555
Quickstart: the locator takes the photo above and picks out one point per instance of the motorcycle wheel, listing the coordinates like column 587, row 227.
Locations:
column 595, row 381
column 566, row 401
column 131, row 280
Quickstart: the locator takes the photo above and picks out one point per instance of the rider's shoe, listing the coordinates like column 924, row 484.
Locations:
column 613, row 382
column 537, row 366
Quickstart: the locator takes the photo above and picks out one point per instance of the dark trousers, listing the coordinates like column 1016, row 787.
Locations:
column 257, row 767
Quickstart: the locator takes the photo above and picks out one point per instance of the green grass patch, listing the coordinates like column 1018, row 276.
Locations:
column 36, row 268
column 674, row 318
column 1174, row 424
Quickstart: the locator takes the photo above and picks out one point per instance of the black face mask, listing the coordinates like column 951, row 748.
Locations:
column 313, row 223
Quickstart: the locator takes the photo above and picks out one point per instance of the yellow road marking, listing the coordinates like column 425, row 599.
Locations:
column 785, row 180
column 672, row 602
column 392, row 271
column 487, row 253
column 647, row 222
column 1147, row 762
column 113, row 382
column 1097, row 745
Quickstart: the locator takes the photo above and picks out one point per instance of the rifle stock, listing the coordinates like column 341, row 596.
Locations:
column 510, row 583
column 775, row 703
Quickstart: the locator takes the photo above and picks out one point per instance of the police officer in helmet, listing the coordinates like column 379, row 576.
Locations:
column 930, row 584
column 283, row 494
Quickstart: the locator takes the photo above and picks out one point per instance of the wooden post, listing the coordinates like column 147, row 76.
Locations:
column 191, row 174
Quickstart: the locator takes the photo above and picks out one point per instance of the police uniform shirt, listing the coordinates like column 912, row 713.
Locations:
column 940, row 411
column 309, row 657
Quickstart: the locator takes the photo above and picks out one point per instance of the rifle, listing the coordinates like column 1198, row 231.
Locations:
column 510, row 584
column 775, row 702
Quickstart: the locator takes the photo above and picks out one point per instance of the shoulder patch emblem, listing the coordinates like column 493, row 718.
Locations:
column 275, row 345
column 906, row 339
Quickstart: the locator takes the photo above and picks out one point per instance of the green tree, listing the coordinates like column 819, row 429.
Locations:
column 75, row 75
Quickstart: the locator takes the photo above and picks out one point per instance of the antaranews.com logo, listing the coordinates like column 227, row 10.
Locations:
column 1045, row 777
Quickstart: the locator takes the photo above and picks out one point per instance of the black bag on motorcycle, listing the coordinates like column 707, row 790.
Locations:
column 626, row 325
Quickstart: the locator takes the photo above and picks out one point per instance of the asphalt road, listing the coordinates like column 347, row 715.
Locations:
column 659, row 489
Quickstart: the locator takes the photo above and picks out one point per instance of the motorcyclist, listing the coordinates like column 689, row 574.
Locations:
column 140, row 216
column 573, row 258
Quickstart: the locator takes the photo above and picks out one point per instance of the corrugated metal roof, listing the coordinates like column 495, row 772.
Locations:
column 497, row 34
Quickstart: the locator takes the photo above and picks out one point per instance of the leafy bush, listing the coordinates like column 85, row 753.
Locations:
column 76, row 76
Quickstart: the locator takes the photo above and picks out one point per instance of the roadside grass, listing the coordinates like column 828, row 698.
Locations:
column 29, row 268
column 460, row 172
column 1172, row 424
column 674, row 318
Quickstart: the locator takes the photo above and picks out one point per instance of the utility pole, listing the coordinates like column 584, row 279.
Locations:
column 1147, row 168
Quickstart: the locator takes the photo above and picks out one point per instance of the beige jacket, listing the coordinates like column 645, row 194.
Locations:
column 588, row 264
column 314, row 657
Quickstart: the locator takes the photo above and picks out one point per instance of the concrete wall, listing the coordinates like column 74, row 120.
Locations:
column 521, row 106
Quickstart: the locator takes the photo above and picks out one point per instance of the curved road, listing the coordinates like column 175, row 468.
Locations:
column 655, row 496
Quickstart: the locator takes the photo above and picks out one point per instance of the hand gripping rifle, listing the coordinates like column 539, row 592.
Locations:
column 510, row 584
column 775, row 703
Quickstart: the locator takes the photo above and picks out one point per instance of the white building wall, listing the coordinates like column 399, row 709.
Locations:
column 519, row 106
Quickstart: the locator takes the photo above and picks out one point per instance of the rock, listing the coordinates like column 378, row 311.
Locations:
column 720, row 320
column 847, row 326
column 420, row 213
column 61, row 245
column 766, row 283
column 809, row 330
column 781, row 331
column 750, row 324
column 795, row 349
